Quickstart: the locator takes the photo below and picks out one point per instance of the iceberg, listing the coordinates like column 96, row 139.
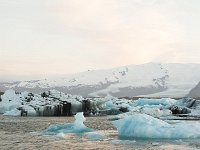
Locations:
column 148, row 127
column 49, row 103
column 10, row 101
column 76, row 127
column 155, row 102
column 13, row 112
column 93, row 136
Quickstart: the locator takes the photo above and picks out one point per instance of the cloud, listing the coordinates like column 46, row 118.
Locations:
column 74, row 36
column 136, row 31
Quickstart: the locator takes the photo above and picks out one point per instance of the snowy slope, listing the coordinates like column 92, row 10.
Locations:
column 195, row 92
column 151, row 79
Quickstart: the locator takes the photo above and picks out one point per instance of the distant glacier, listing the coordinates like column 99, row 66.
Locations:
column 149, row 80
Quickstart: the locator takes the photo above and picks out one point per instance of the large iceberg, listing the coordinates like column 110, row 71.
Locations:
column 49, row 103
column 145, row 126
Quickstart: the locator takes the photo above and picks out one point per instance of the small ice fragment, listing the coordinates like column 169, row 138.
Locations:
column 155, row 144
column 95, row 136
column 60, row 135
column 124, row 142
column 79, row 119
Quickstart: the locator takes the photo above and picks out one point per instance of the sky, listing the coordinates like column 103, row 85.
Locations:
column 41, row 38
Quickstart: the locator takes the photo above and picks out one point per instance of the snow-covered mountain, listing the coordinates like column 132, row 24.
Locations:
column 151, row 79
column 195, row 92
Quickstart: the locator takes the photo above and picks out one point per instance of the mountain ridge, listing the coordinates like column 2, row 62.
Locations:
column 150, row 79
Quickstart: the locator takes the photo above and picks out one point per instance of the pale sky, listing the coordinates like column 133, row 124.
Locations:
column 40, row 38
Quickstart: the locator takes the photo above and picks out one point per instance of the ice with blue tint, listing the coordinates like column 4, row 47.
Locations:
column 145, row 126
column 13, row 112
column 154, row 102
column 124, row 142
column 76, row 127
column 93, row 136
column 115, row 103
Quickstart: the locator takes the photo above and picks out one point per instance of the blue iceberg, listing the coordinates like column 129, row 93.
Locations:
column 76, row 127
column 147, row 127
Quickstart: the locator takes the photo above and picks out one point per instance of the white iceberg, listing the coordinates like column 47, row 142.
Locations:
column 38, row 104
column 10, row 101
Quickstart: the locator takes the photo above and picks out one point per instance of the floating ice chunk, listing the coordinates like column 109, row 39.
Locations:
column 13, row 112
column 10, row 100
column 93, row 136
column 76, row 127
column 154, row 102
column 109, row 105
column 79, row 119
column 145, row 126
column 124, row 142
column 60, row 135
column 114, row 103
column 9, row 94
column 30, row 110
column 155, row 112
column 155, row 144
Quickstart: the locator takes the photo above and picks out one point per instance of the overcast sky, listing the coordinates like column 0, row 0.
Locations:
column 40, row 38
